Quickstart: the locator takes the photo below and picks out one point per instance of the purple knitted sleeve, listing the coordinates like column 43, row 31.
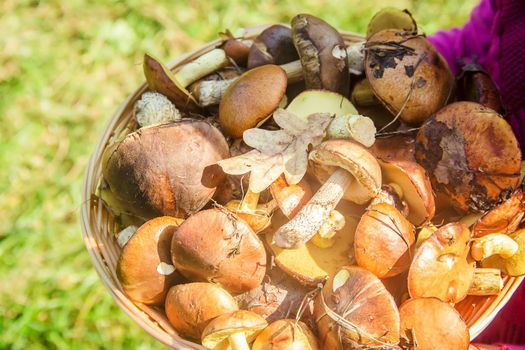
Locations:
column 473, row 38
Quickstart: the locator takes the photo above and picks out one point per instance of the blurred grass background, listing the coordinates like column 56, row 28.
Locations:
column 64, row 67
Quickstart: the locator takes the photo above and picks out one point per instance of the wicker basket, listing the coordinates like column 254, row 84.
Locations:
column 99, row 226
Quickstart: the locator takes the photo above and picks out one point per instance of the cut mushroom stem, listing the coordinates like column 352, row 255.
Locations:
column 353, row 126
column 257, row 216
column 210, row 92
column 202, row 66
column 486, row 282
column 492, row 244
column 313, row 215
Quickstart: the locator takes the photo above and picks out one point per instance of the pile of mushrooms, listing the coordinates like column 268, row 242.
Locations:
column 293, row 191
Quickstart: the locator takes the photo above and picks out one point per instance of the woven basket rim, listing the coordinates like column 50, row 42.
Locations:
column 92, row 208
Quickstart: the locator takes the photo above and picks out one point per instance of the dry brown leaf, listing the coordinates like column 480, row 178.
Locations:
column 281, row 151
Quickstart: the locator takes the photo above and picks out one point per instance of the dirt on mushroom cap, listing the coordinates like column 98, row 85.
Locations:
column 407, row 74
column 471, row 154
column 360, row 312
column 158, row 170
column 216, row 246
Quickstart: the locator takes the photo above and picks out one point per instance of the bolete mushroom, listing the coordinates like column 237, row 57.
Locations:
column 504, row 218
column 391, row 18
column 407, row 74
column 160, row 170
column 173, row 85
column 476, row 85
column 384, row 241
column 470, row 154
column 233, row 330
column 322, row 53
column 354, row 310
column 144, row 268
column 251, row 99
column 190, row 307
column 273, row 45
column 286, row 334
column 429, row 323
column 442, row 267
column 236, row 48
column 394, row 147
column 214, row 245
column 513, row 265
column 347, row 170
column 413, row 186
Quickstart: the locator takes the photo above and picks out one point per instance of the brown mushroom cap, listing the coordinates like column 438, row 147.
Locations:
column 354, row 158
column 432, row 324
column 286, row 335
column 391, row 18
column 410, row 76
column 159, row 170
column 190, row 307
column 441, row 267
column 162, row 80
column 415, row 185
column 274, row 45
column 290, row 198
column 216, row 333
column 214, row 245
column 384, row 241
column 504, row 218
column 236, row 50
column 144, row 268
column 322, row 52
column 355, row 310
column 251, row 99
column 471, row 154
column 395, row 147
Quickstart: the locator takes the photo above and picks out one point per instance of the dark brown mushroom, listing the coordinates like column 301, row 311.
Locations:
column 274, row 45
column 160, row 170
column 322, row 53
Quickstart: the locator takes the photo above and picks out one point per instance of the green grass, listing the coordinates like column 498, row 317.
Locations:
column 64, row 68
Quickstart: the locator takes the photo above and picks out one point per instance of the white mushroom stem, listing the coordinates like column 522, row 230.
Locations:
column 238, row 341
column 486, row 282
column 312, row 216
column 202, row 66
column 210, row 92
column 124, row 235
column 354, row 127
column 492, row 244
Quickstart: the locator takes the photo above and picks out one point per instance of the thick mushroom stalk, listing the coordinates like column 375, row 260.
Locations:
column 355, row 173
column 312, row 216
column 201, row 66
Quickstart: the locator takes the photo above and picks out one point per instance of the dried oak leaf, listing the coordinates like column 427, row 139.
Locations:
column 281, row 151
